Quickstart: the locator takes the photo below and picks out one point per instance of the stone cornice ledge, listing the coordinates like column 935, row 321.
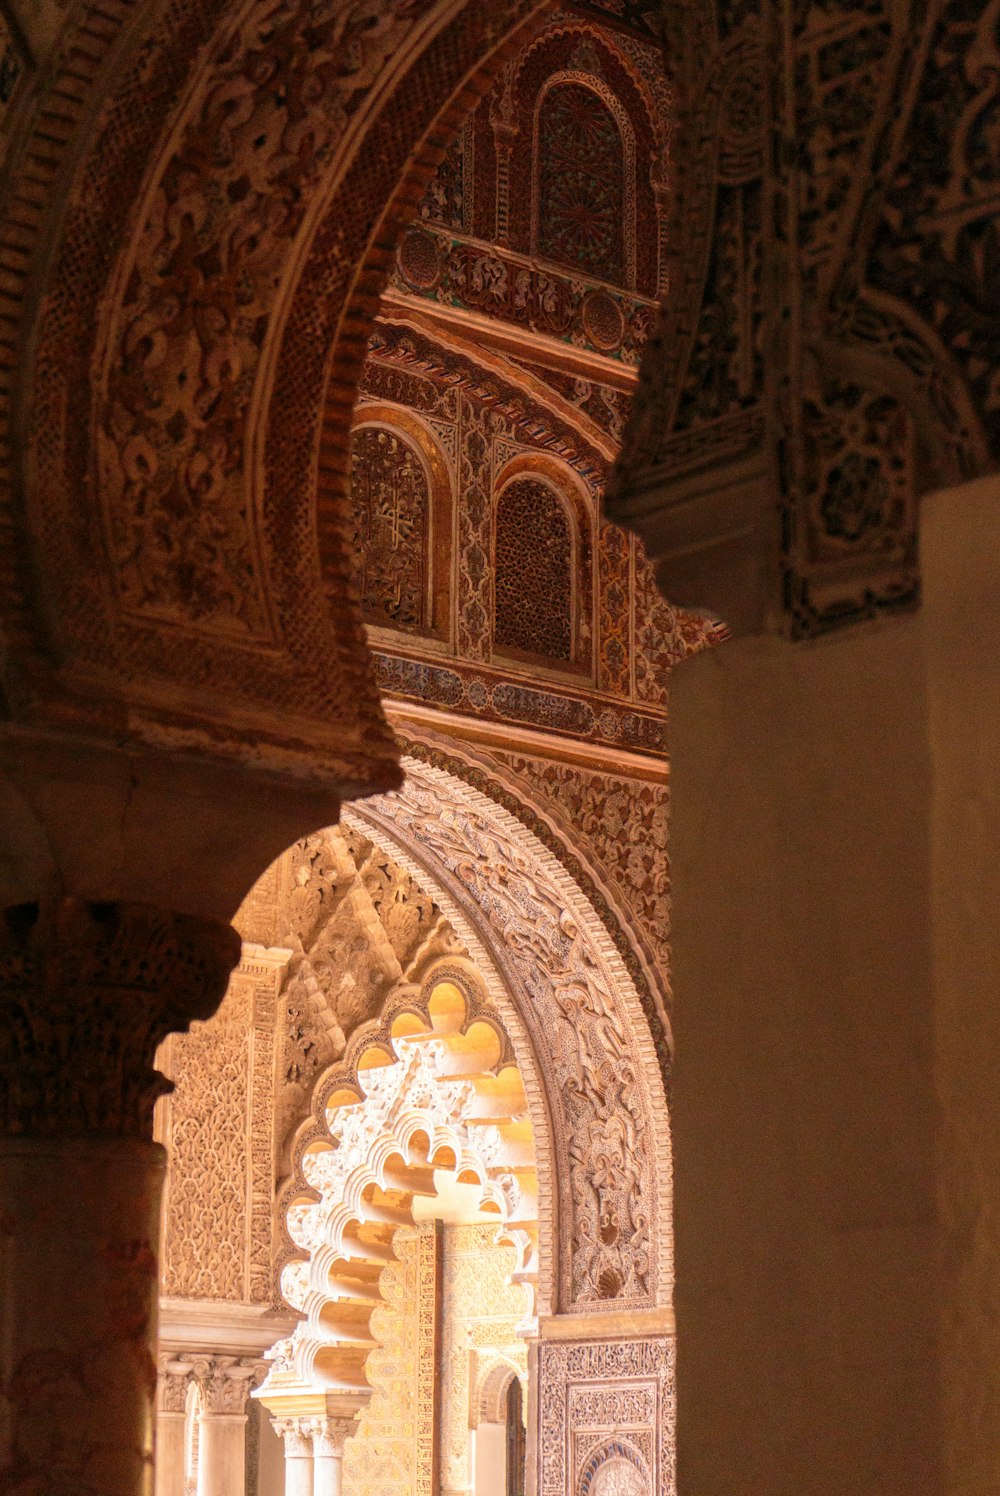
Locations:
column 188, row 1325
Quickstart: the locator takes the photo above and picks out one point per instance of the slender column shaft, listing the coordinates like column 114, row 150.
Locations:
column 328, row 1466
column 226, row 1383
column 328, row 1474
column 222, row 1454
column 87, row 991
column 171, row 1421
column 169, row 1450
column 328, row 1453
column 298, row 1455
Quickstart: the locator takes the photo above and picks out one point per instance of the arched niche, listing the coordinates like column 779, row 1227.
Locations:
column 583, row 179
column 543, row 552
column 402, row 503
column 640, row 101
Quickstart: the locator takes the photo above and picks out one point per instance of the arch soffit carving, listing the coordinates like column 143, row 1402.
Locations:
column 414, row 1101
column 492, row 984
column 259, row 353
column 491, row 1389
column 566, row 990
column 488, row 778
column 463, row 972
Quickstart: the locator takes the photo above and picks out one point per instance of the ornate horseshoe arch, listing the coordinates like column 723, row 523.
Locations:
column 576, row 1007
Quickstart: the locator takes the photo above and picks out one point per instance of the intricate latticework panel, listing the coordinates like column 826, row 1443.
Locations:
column 533, row 599
column 391, row 497
column 206, row 1237
column 581, row 183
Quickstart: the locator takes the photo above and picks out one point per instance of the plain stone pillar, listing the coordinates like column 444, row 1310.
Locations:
column 87, row 992
column 222, row 1454
column 171, row 1421
column 297, row 1436
column 960, row 546
column 804, row 1106
column 836, row 876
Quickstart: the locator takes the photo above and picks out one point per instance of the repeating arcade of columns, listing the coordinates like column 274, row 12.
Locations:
column 313, row 1443
column 314, row 1453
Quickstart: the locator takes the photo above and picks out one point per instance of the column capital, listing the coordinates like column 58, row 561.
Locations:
column 87, row 992
column 297, row 1435
column 173, row 1377
column 329, row 1434
column 227, row 1381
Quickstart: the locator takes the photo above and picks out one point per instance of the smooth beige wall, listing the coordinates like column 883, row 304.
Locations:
column 961, row 548
column 491, row 1459
column 803, row 1091
column 836, row 870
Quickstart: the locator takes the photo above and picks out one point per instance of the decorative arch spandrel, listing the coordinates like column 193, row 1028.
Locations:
column 579, row 1012
column 191, row 318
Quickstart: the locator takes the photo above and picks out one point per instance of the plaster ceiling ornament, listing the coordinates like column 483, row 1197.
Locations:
column 566, row 996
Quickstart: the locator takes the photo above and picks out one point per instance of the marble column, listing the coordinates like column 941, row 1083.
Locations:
column 328, row 1435
column 296, row 1434
column 171, row 1414
column 226, row 1383
column 87, row 992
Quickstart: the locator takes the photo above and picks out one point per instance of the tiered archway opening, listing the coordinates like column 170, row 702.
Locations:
column 425, row 1118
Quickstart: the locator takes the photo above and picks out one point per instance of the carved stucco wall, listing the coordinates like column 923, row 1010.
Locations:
column 479, row 1315
column 574, row 1012
column 485, row 425
column 353, row 922
column 219, row 1126
column 393, row 1452
column 602, row 1401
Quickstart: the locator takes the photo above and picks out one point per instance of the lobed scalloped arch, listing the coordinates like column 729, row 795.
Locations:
column 398, row 1112
column 576, row 1022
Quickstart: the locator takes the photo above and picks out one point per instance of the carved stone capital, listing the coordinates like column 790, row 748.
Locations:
column 87, row 992
column 173, row 1376
column 227, row 1381
column 328, row 1435
column 296, row 1434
